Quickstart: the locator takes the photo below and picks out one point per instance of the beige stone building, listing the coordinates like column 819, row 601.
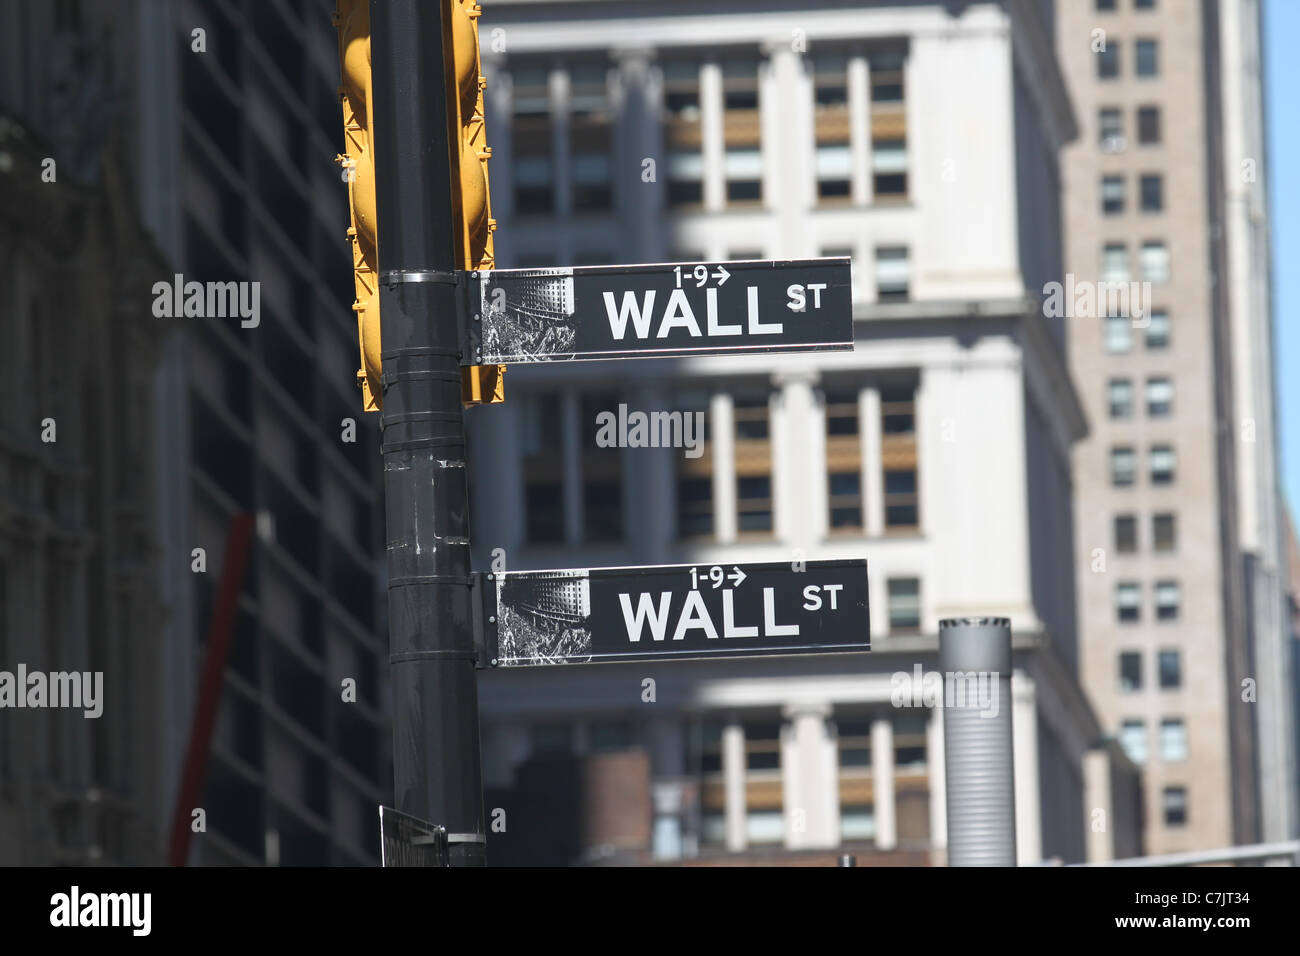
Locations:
column 1177, row 545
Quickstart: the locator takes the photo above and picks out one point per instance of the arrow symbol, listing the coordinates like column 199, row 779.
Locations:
column 736, row 576
column 722, row 275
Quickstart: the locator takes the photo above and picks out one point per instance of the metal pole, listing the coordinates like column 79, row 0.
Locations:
column 435, row 694
column 975, row 661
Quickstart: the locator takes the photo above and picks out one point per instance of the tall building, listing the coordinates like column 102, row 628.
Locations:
column 1180, row 570
column 230, row 119
column 922, row 141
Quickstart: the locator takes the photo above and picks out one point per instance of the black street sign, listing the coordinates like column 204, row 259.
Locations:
column 592, row 615
column 648, row 311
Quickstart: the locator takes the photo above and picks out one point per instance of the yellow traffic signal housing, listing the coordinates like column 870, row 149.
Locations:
column 352, row 18
column 471, row 204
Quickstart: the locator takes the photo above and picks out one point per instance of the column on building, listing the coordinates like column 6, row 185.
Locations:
column 798, row 461
column 712, row 130
column 571, row 448
column 1024, row 735
column 722, row 436
column 872, row 479
column 667, row 747
column 558, row 88
column 785, row 101
column 650, row 487
column 638, row 137
column 736, row 816
column 809, row 777
column 882, row 782
column 859, row 80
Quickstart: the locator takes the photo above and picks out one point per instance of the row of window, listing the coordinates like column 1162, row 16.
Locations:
column 601, row 468
column 1169, row 670
column 1159, row 397
column 1161, row 463
column 1110, row 127
column 1173, row 740
column 591, row 131
column 1151, row 193
column 1128, row 601
column 1153, row 262
column 1164, row 533
column 1146, row 58
column 1119, row 332
column 1108, row 6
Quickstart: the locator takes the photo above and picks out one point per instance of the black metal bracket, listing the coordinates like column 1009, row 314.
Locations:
column 483, row 597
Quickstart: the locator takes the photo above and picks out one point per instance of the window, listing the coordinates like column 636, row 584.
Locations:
column 602, row 475
column 1168, row 598
column 682, row 134
column 1164, row 532
column 753, row 463
column 1130, row 671
column 1114, row 262
column 1110, row 129
column 889, row 168
column 831, row 119
column 1160, row 397
column 1146, row 58
column 742, row 135
column 1148, row 118
column 1152, row 188
column 1133, row 738
column 1173, row 740
column 1144, row 4
column 1128, row 602
column 685, row 177
column 544, row 485
column 1163, row 464
column 1125, row 534
column 1123, row 466
column 1158, row 330
column 1112, row 195
column 843, row 460
column 898, row 456
column 904, row 605
column 744, row 171
column 533, row 171
column 892, row 273
column 1105, row 6
column 1154, row 260
column 1108, row 61
column 1170, row 665
column 1119, row 333
column 1175, row 806
column 1119, row 394
column 695, row 475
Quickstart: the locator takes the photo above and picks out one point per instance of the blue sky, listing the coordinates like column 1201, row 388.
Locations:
column 1282, row 86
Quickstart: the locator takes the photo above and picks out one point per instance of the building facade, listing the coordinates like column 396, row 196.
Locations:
column 1177, row 507
column 229, row 121
column 922, row 142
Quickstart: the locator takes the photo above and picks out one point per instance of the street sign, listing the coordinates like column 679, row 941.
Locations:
column 405, row 840
column 649, row 311
column 591, row 615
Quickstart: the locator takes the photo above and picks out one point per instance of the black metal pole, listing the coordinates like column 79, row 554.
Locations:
column 435, row 694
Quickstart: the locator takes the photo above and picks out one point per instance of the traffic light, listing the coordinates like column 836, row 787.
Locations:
column 352, row 18
column 471, row 205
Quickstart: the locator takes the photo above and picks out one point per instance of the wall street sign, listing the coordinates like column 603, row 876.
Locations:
column 649, row 311
column 676, row 611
